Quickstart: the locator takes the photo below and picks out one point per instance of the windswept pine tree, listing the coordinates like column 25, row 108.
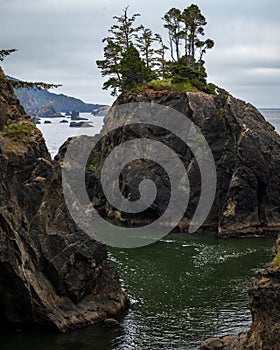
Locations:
column 121, row 36
column 20, row 84
column 135, row 56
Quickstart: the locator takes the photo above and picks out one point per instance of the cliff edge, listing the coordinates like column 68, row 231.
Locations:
column 246, row 150
column 51, row 273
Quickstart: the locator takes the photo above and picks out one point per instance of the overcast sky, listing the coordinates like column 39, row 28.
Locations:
column 60, row 40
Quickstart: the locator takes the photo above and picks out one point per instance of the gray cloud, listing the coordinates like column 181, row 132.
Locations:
column 59, row 41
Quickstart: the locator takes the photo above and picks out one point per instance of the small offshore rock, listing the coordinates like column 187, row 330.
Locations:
column 36, row 120
column 80, row 125
column 111, row 322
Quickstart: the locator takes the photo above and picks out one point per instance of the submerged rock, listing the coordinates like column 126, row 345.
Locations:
column 51, row 273
column 246, row 151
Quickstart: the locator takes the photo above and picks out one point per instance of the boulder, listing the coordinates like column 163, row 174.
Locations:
column 75, row 115
column 80, row 125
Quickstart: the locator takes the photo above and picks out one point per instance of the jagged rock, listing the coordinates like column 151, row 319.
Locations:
column 51, row 273
column 80, row 125
column 75, row 115
column 47, row 122
column 246, row 150
column 213, row 344
column 63, row 121
column 225, row 343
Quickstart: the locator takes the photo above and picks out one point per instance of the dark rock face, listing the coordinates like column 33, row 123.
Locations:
column 80, row 125
column 51, row 273
column 75, row 115
column 246, row 150
column 264, row 301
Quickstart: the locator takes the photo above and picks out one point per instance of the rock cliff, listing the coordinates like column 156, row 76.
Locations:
column 51, row 273
column 246, row 150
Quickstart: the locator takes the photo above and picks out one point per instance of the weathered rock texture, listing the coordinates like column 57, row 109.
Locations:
column 246, row 150
column 51, row 273
column 264, row 301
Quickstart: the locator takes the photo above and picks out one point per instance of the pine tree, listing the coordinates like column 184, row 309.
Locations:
column 194, row 22
column 144, row 43
column 117, row 44
column 172, row 21
column 133, row 69
column 5, row 53
column 110, row 66
column 123, row 31
column 161, row 57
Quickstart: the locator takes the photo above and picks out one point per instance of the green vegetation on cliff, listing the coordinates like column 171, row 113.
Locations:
column 136, row 58
column 20, row 132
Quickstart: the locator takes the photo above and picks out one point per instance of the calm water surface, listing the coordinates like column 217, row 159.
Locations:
column 183, row 289
column 57, row 133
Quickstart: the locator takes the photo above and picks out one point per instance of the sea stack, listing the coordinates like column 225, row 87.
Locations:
column 246, row 150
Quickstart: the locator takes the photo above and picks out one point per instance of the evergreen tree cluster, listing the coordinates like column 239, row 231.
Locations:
column 134, row 55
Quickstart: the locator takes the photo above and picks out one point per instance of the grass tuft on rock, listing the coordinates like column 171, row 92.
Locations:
column 21, row 132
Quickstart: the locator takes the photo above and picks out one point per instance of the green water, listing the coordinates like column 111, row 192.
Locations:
column 183, row 290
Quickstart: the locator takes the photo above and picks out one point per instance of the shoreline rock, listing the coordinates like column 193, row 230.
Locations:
column 52, row 274
column 80, row 125
column 264, row 303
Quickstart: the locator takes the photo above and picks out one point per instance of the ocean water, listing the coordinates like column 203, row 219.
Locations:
column 57, row 133
column 273, row 117
column 183, row 288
